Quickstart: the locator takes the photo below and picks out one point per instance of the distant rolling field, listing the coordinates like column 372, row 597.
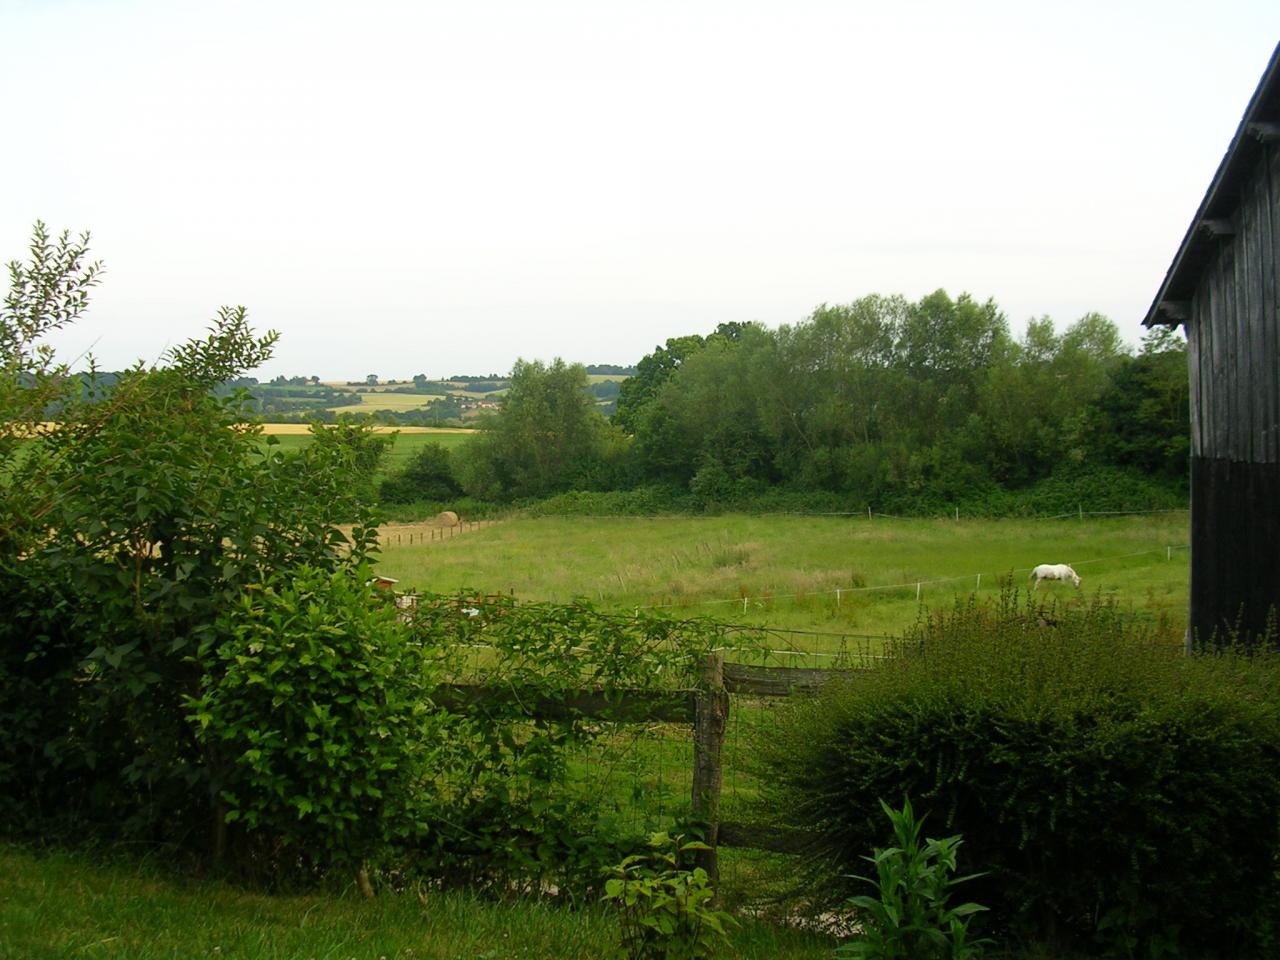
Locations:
column 407, row 442
column 831, row 575
column 400, row 402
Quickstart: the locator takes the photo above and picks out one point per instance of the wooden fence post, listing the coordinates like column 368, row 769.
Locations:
column 710, row 719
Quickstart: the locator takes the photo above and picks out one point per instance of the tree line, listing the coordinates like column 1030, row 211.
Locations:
column 879, row 401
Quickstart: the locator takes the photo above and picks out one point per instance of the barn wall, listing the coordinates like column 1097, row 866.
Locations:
column 1233, row 342
column 1233, row 336
column 1235, row 536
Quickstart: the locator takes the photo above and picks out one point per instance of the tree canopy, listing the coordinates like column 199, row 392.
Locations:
column 886, row 397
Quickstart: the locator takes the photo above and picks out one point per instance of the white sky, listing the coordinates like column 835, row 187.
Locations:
column 441, row 188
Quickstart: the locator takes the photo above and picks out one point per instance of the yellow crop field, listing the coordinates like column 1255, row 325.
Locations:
column 368, row 402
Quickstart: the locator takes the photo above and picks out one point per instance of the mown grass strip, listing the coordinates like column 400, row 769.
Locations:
column 68, row 905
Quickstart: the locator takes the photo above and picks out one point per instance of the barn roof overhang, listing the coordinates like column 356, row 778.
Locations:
column 1216, row 217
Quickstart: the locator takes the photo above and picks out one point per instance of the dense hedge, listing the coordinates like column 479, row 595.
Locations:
column 1098, row 489
column 1123, row 796
column 1092, row 489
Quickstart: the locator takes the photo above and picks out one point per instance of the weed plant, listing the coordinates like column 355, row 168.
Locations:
column 1124, row 797
column 910, row 918
column 665, row 903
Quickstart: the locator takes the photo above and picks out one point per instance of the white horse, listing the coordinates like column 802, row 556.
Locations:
column 1054, row 571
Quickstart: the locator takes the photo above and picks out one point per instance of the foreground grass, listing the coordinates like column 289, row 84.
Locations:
column 785, row 571
column 66, row 905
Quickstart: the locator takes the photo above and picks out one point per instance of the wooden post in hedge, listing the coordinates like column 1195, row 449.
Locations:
column 710, row 716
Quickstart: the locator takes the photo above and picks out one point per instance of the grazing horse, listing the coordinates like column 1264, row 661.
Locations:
column 1054, row 571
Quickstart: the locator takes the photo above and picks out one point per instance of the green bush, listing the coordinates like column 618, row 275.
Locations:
column 427, row 476
column 1091, row 488
column 1121, row 795
column 315, row 714
column 639, row 501
column 128, row 528
column 1071, row 488
column 504, row 809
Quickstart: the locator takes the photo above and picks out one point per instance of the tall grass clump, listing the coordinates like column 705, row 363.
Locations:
column 1122, row 797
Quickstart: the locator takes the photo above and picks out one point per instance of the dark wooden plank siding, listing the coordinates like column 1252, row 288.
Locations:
column 1270, row 231
column 1227, row 363
column 1234, row 332
column 1248, row 302
column 1195, row 345
column 1234, row 355
column 1235, row 560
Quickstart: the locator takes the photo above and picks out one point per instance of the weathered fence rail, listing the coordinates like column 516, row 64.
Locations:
column 706, row 708
column 424, row 533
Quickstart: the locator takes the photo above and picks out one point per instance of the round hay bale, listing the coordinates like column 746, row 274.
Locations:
column 447, row 519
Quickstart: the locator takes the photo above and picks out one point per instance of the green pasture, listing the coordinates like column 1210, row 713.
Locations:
column 403, row 446
column 843, row 576
column 65, row 905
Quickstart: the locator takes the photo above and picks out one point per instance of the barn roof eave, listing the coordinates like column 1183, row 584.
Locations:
column 1260, row 124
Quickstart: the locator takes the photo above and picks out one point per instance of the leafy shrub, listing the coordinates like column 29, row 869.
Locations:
column 666, row 903
column 427, row 476
column 1093, row 488
column 1119, row 792
column 315, row 713
column 498, row 838
column 639, row 501
column 910, row 918
column 503, row 810
column 127, row 527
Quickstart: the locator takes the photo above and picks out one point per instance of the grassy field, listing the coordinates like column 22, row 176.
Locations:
column 408, row 441
column 831, row 575
column 400, row 402
column 62, row 905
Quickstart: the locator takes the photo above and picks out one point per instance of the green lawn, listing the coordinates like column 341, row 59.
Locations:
column 65, row 905
column 840, row 575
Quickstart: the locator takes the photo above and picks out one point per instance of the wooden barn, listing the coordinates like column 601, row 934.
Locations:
column 1224, row 287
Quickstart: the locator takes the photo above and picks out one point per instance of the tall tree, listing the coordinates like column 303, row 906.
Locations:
column 1142, row 418
column 707, row 414
column 546, row 436
column 835, row 373
column 652, row 372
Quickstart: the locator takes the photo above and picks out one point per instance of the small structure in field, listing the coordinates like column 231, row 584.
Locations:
column 1224, row 288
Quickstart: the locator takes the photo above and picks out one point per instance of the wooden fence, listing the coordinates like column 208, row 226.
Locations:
column 427, row 533
column 705, row 708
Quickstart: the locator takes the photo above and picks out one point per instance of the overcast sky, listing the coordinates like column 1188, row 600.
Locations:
column 440, row 188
